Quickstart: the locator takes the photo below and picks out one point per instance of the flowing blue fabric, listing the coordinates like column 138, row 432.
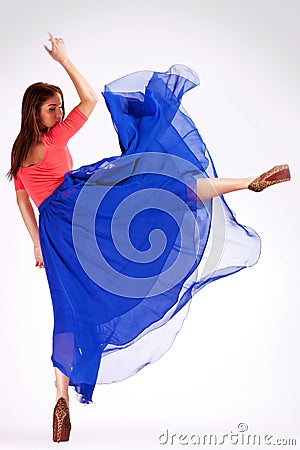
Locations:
column 126, row 243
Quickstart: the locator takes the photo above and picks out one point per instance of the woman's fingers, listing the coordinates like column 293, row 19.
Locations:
column 47, row 49
column 58, row 50
column 51, row 37
column 54, row 40
column 39, row 264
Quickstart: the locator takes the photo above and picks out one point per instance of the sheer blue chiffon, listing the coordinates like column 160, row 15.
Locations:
column 126, row 243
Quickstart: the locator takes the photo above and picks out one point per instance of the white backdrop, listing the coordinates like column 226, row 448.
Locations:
column 236, row 360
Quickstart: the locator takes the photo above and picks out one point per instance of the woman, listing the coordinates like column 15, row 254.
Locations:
column 100, row 315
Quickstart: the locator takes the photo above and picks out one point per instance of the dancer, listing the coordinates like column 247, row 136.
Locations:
column 99, row 315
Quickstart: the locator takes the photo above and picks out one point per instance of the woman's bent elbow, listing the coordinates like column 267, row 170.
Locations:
column 92, row 98
column 87, row 105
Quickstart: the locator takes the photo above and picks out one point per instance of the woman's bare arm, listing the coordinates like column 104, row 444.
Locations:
column 29, row 218
column 88, row 97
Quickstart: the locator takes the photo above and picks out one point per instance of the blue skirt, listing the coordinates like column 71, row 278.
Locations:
column 126, row 243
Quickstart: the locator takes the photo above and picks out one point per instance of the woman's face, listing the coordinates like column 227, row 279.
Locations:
column 51, row 111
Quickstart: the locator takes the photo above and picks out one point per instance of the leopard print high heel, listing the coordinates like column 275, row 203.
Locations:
column 61, row 421
column 277, row 174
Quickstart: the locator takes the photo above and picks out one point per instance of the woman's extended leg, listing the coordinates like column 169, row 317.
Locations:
column 213, row 187
column 62, row 384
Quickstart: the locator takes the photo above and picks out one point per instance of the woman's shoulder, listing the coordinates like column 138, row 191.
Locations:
column 64, row 130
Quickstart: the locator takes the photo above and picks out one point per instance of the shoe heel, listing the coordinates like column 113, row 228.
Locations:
column 61, row 421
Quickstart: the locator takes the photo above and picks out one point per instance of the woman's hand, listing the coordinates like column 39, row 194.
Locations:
column 58, row 51
column 39, row 262
column 88, row 97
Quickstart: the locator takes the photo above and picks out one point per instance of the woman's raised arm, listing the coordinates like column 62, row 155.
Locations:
column 86, row 94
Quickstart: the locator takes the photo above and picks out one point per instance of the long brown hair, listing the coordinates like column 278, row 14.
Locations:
column 31, row 127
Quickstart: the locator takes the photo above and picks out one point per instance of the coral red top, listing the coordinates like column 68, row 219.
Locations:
column 41, row 179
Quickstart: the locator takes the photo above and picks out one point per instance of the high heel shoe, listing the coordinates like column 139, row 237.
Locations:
column 276, row 175
column 61, row 421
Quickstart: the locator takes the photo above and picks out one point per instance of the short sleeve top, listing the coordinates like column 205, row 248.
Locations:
column 41, row 179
